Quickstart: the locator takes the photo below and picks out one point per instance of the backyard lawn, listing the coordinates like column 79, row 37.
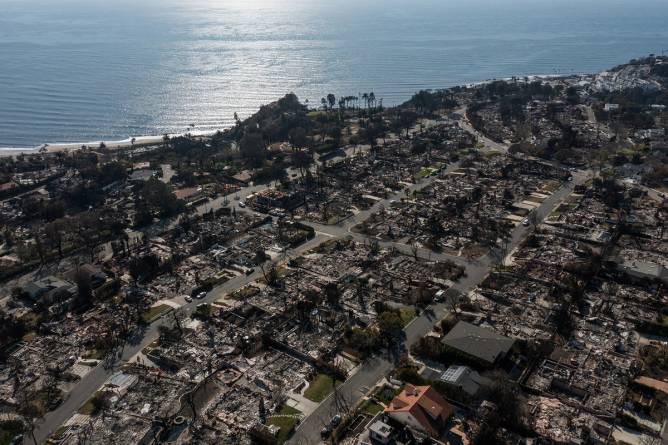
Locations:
column 320, row 388
column 371, row 407
column 286, row 424
column 407, row 314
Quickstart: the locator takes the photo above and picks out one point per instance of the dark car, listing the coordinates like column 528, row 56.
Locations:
column 336, row 420
column 325, row 432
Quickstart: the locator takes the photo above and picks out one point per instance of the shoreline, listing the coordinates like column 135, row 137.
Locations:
column 156, row 139
column 110, row 145
column 530, row 77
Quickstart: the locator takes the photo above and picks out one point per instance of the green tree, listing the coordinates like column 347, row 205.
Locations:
column 84, row 289
column 302, row 160
column 8, row 237
column 331, row 100
column 253, row 148
column 390, row 326
column 407, row 119
column 366, row 341
column 11, row 328
column 53, row 233
column 159, row 196
column 100, row 402
column 298, row 137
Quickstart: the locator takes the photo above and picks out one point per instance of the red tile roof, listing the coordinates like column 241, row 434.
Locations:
column 425, row 404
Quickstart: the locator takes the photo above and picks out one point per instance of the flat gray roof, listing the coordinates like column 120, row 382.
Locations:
column 482, row 343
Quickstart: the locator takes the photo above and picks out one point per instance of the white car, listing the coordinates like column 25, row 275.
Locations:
column 201, row 295
column 526, row 222
column 242, row 204
column 188, row 298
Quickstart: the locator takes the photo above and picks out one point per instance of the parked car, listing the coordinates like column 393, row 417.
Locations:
column 325, row 432
column 336, row 420
column 201, row 295
column 242, row 204
column 188, row 298
column 526, row 222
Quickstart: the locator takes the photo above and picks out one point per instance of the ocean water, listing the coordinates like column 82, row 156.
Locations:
column 82, row 70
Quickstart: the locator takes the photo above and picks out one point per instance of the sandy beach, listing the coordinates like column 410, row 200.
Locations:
column 112, row 145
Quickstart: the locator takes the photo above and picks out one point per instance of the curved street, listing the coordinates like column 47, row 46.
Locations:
column 365, row 375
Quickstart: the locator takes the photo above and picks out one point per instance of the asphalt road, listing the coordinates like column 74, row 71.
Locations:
column 87, row 386
column 373, row 370
column 97, row 377
column 367, row 374
column 488, row 144
column 90, row 383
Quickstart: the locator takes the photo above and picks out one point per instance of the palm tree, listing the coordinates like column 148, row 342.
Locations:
column 331, row 100
column 372, row 99
column 365, row 97
column 342, row 107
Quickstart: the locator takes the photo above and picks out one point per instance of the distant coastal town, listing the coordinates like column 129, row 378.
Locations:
column 483, row 264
